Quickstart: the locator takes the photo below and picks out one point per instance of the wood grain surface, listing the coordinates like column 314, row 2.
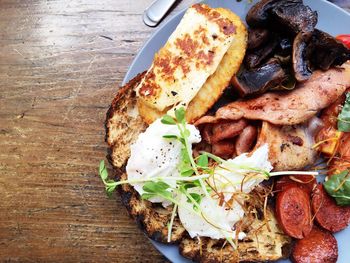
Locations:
column 60, row 65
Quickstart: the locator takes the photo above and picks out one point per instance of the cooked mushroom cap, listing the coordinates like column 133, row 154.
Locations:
column 301, row 64
column 290, row 21
column 258, row 15
column 260, row 79
column 257, row 37
column 255, row 57
column 291, row 15
column 327, row 51
column 294, row 16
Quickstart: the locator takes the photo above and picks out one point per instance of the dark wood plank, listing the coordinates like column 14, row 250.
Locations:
column 60, row 66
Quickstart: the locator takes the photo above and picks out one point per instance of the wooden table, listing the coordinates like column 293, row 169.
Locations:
column 60, row 65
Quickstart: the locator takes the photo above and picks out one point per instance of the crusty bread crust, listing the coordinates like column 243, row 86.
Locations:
column 264, row 242
column 123, row 125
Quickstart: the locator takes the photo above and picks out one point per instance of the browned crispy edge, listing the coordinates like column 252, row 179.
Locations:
column 121, row 93
column 152, row 219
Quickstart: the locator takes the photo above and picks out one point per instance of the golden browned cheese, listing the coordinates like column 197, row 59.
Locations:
column 197, row 80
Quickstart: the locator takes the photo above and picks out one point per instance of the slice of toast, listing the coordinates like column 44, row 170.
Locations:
column 264, row 241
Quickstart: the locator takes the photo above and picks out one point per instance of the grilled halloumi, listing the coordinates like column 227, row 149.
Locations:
column 195, row 65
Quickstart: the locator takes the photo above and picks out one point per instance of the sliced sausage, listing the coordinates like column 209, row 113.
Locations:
column 227, row 130
column 305, row 182
column 294, row 212
column 224, row 149
column 246, row 139
column 319, row 246
column 328, row 214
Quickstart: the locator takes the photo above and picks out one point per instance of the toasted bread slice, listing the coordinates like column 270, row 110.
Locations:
column 216, row 83
column 123, row 125
column 263, row 243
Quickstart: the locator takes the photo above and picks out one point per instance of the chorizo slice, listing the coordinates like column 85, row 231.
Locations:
column 224, row 149
column 227, row 130
column 328, row 214
column 294, row 212
column 305, row 182
column 246, row 139
column 320, row 246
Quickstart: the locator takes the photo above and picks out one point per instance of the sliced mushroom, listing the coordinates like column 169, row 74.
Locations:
column 257, row 37
column 259, row 80
column 327, row 51
column 290, row 15
column 301, row 65
column 285, row 46
column 258, row 15
column 294, row 16
column 255, row 57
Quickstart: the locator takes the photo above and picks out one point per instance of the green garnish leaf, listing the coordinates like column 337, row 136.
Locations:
column 110, row 189
column 180, row 115
column 167, row 119
column 186, row 133
column 188, row 185
column 110, row 185
column 184, row 156
column 103, row 171
column 184, row 166
column 196, row 197
column 170, row 136
column 344, row 116
column 147, row 196
column 338, row 186
column 197, row 200
column 153, row 189
column 203, row 161
column 182, row 140
column 187, row 173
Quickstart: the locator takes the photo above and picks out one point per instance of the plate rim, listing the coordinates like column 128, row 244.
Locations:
column 128, row 77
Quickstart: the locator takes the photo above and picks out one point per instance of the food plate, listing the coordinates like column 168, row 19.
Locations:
column 332, row 19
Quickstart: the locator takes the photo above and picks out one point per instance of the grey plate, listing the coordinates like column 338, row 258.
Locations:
column 332, row 19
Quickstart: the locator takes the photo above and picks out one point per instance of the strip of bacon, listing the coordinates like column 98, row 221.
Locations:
column 293, row 107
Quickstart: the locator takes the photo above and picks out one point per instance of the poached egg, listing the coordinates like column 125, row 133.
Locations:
column 217, row 221
column 153, row 156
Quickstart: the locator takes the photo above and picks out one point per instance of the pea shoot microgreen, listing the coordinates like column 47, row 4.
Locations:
column 110, row 185
column 157, row 189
